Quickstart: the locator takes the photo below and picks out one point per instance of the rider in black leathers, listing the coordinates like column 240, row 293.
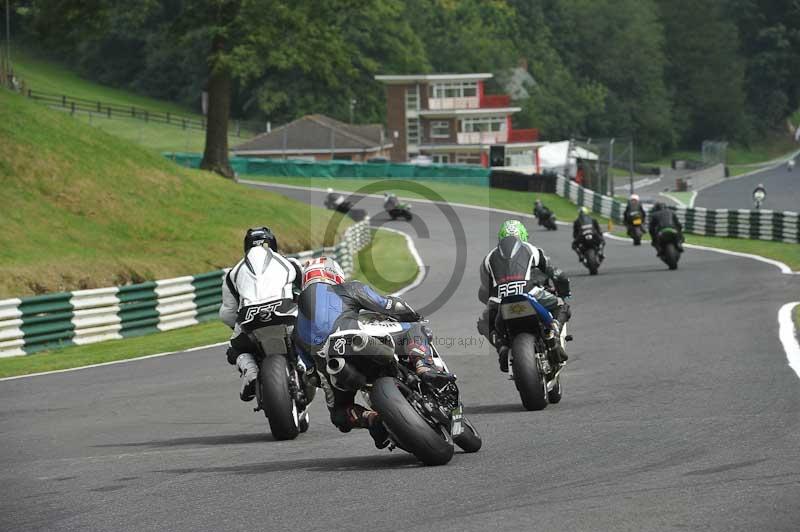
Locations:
column 662, row 217
column 584, row 223
column 633, row 206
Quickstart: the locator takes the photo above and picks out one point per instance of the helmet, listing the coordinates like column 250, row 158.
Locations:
column 329, row 191
column 322, row 270
column 258, row 236
column 584, row 210
column 513, row 228
column 659, row 206
column 538, row 201
column 634, row 197
column 760, row 185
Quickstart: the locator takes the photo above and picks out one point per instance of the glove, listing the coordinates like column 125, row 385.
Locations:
column 435, row 377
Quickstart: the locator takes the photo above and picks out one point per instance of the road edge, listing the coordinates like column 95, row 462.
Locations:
column 788, row 335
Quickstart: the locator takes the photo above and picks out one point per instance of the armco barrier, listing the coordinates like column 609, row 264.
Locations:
column 780, row 226
column 444, row 173
column 52, row 321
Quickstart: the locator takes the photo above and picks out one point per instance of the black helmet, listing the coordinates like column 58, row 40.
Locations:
column 659, row 206
column 258, row 236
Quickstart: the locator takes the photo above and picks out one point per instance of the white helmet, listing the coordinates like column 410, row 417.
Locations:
column 634, row 197
column 322, row 270
column 330, row 190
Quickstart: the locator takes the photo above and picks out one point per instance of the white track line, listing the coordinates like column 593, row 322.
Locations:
column 124, row 361
column 788, row 335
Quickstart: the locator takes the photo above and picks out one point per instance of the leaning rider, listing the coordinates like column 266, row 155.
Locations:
column 517, row 264
column 330, row 304
column 585, row 224
column 262, row 276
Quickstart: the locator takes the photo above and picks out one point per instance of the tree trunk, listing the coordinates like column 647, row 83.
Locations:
column 215, row 156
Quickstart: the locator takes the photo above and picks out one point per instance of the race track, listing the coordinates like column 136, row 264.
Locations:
column 679, row 413
column 783, row 191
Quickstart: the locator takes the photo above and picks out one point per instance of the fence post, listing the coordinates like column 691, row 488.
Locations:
column 146, row 115
column 72, row 108
column 108, row 109
column 238, row 128
column 63, row 100
column 184, row 123
column 99, row 108
column 133, row 112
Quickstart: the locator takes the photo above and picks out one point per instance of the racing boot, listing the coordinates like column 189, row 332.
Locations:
column 552, row 340
column 360, row 417
column 248, row 368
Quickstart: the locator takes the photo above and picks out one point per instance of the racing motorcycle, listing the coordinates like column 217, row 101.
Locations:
column 423, row 419
column 589, row 250
column 758, row 198
column 522, row 322
column 635, row 229
column 336, row 202
column 667, row 245
column 285, row 386
column 546, row 219
column 399, row 210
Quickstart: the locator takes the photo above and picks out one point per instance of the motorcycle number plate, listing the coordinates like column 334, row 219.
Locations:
column 637, row 221
column 518, row 309
column 458, row 426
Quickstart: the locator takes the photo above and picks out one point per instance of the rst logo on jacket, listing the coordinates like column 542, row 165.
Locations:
column 263, row 311
column 515, row 288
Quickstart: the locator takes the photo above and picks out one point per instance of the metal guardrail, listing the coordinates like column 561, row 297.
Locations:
column 53, row 321
column 779, row 226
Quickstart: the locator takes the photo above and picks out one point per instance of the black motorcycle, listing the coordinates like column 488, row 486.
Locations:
column 589, row 250
column 284, row 388
column 635, row 229
column 668, row 245
column 336, row 202
column 399, row 210
column 546, row 218
column 422, row 419
column 521, row 323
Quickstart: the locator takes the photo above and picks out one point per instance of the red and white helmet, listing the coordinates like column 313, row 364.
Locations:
column 322, row 270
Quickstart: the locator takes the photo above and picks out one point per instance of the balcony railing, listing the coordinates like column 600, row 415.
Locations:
column 483, row 137
column 438, row 104
column 495, row 100
column 523, row 135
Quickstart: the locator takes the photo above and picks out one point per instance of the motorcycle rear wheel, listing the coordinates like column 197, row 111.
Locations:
column 591, row 261
column 407, row 425
column 276, row 399
column 671, row 256
column 527, row 375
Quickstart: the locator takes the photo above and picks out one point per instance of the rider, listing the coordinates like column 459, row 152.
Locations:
column 334, row 198
column 329, row 304
column 390, row 201
column 583, row 224
column 515, row 261
column 662, row 218
column 760, row 188
column 634, row 206
column 540, row 211
column 262, row 275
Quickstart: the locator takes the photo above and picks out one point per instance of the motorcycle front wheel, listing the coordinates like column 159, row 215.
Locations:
column 591, row 261
column 402, row 420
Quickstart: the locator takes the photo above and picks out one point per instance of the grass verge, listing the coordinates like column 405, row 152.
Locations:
column 83, row 355
column 83, row 209
column 389, row 254
column 386, row 263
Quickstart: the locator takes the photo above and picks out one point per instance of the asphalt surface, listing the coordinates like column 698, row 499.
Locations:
column 679, row 413
column 783, row 191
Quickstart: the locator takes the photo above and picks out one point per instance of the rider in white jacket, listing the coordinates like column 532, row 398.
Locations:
column 263, row 275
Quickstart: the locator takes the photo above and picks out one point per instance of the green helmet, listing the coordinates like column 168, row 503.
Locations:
column 513, row 228
column 583, row 210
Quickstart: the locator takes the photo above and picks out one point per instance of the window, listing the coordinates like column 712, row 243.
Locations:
column 489, row 123
column 412, row 98
column 464, row 89
column 468, row 158
column 440, row 129
column 440, row 159
column 412, row 131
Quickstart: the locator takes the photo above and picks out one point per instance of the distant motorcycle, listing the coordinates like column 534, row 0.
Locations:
column 522, row 322
column 423, row 419
column 396, row 209
column 589, row 251
column 758, row 198
column 336, row 202
column 668, row 247
column 790, row 165
column 546, row 218
column 635, row 229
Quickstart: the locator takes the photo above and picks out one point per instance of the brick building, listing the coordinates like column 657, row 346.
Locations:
column 449, row 118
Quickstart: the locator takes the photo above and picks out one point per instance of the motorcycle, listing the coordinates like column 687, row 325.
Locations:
column 284, row 388
column 635, row 229
column 758, row 198
column 399, row 210
column 339, row 204
column 790, row 165
column 668, row 246
column 589, row 250
column 422, row 419
column 546, row 219
column 522, row 323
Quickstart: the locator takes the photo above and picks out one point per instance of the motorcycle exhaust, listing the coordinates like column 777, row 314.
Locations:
column 365, row 344
column 345, row 376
